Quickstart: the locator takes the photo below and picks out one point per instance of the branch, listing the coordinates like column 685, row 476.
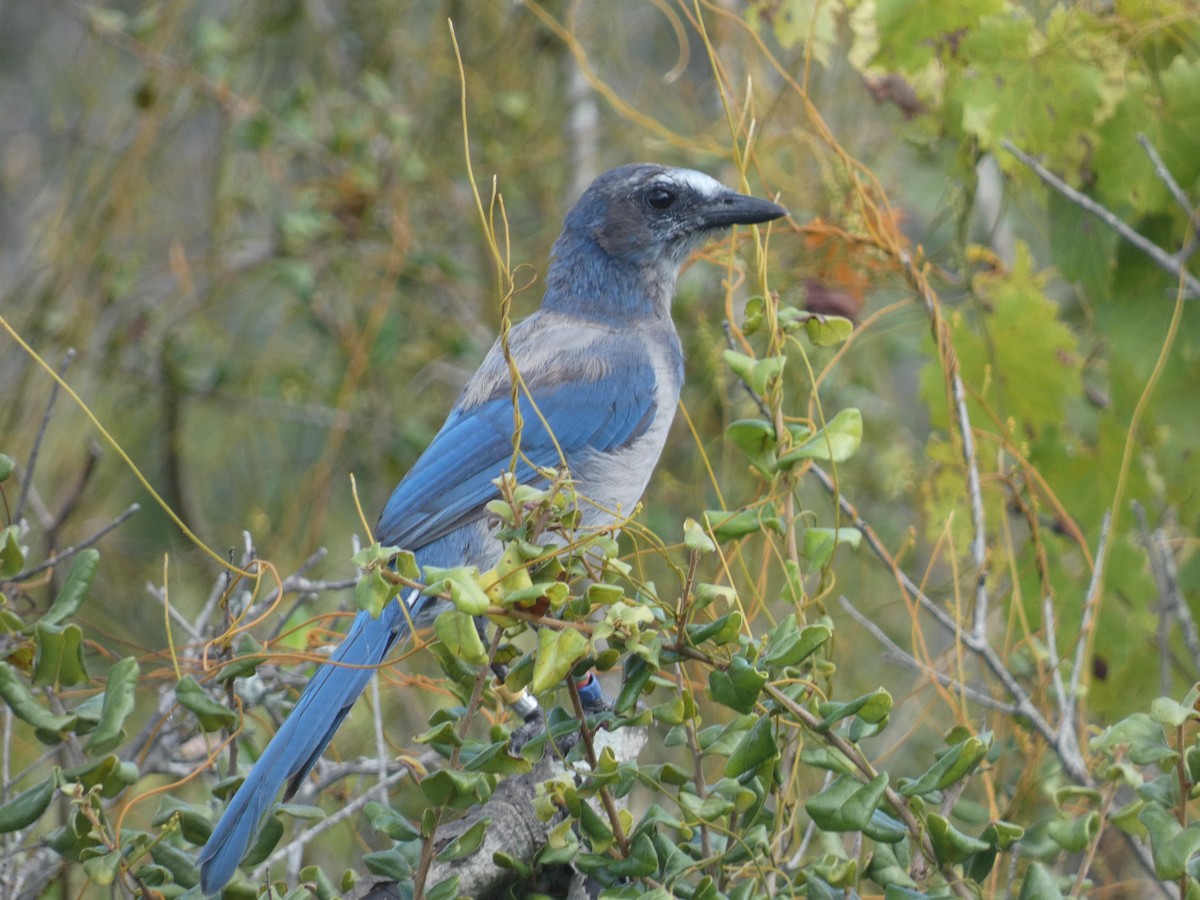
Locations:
column 27, row 480
column 1164, row 174
column 941, row 336
column 979, row 696
column 1173, row 265
column 71, row 551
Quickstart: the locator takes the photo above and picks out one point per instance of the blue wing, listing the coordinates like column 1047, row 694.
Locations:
column 452, row 481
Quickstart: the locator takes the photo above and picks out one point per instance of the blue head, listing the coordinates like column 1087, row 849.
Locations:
column 625, row 239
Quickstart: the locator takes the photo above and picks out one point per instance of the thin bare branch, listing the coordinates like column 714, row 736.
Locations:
column 980, row 647
column 1160, row 168
column 71, row 551
column 1164, row 260
column 1091, row 598
column 1166, row 581
column 27, row 478
column 351, row 808
column 967, row 435
column 982, row 697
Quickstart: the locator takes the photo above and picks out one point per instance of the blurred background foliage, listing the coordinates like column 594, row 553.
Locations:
column 252, row 222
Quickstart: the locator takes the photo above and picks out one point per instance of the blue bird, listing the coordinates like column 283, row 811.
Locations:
column 603, row 364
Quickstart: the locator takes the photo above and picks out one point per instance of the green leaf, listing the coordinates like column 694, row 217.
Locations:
column 847, row 804
column 955, row 763
column 884, row 828
column 1171, row 713
column 388, row 864
column 912, row 32
column 1012, row 59
column 1147, row 746
column 58, row 655
column 444, row 733
column 109, row 773
column 598, row 594
column 827, row 331
column 27, row 807
column 26, row 708
column 755, row 438
column 758, row 374
column 557, row 654
column 753, row 315
column 1074, row 835
column 6, row 467
column 457, row 631
column 102, row 870
column 1002, row 835
column 496, row 758
column 950, row 845
column 181, row 865
column 445, row 890
column 390, row 823
column 242, row 667
column 753, row 750
column 75, row 588
column 873, row 707
column 466, row 593
column 836, row 442
column 738, row 686
column 721, row 630
column 819, row 543
column 372, row 592
column 886, row 869
column 466, row 843
column 317, row 884
column 195, row 822
column 695, row 538
column 637, row 676
column 212, row 715
column 1039, row 884
column 788, row 647
column 1171, row 845
column 12, row 557
column 457, row 790
column 728, row 526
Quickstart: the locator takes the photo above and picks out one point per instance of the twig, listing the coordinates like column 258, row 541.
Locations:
column 1166, row 581
column 979, row 696
column 1089, row 611
column 71, row 551
column 73, row 496
column 1164, row 174
column 1165, row 261
column 915, row 827
column 176, row 616
column 1051, row 626
column 941, row 336
column 27, row 480
column 324, row 825
column 979, row 646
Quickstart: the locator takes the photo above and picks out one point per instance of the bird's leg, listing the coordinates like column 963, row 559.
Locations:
column 591, row 694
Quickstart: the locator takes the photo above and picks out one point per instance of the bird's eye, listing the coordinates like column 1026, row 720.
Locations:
column 660, row 198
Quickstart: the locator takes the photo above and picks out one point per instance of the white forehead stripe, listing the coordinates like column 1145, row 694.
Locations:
column 702, row 184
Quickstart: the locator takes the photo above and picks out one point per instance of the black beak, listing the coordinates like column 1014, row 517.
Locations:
column 731, row 208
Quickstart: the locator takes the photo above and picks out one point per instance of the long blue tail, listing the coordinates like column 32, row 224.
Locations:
column 297, row 745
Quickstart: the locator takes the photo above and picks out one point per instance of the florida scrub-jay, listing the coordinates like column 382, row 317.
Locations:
column 603, row 364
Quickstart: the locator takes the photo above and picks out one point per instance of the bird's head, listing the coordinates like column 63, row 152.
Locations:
column 648, row 214
column 644, row 221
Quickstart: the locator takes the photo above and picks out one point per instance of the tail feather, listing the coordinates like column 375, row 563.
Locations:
column 299, row 743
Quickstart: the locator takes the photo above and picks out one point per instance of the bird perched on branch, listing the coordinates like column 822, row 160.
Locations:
column 601, row 366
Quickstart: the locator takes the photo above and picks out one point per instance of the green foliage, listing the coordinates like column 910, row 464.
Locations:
column 944, row 377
